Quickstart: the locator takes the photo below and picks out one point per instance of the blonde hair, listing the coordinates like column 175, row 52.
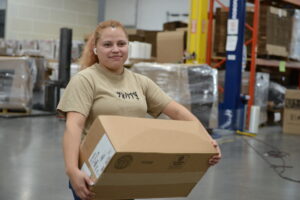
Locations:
column 88, row 57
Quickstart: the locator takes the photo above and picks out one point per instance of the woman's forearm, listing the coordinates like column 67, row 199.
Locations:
column 178, row 112
column 71, row 141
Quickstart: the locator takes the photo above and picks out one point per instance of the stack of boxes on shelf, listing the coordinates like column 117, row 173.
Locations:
column 278, row 38
column 274, row 39
column 275, row 31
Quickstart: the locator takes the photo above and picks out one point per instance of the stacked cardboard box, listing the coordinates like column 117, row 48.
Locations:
column 274, row 31
column 291, row 119
column 172, row 26
column 220, row 31
column 144, row 36
column 171, row 46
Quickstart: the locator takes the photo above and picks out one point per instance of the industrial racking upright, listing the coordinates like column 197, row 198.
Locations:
column 200, row 37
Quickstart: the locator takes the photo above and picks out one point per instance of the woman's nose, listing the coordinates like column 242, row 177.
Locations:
column 115, row 48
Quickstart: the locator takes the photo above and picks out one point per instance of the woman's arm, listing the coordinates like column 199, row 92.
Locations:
column 71, row 143
column 176, row 111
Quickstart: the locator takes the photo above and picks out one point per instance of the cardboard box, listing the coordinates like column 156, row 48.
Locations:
column 275, row 27
column 171, row 46
column 291, row 117
column 274, row 31
column 172, row 26
column 144, row 36
column 144, row 158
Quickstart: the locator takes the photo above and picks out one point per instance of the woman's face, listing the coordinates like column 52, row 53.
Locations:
column 112, row 49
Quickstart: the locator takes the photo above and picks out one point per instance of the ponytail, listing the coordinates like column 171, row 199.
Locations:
column 88, row 57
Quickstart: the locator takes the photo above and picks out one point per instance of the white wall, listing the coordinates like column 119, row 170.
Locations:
column 121, row 10
column 151, row 14
column 148, row 14
column 42, row 19
column 2, row 4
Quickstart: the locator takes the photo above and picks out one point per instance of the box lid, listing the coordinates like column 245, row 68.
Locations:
column 129, row 134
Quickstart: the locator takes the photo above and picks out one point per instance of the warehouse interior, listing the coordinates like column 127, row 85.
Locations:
column 235, row 64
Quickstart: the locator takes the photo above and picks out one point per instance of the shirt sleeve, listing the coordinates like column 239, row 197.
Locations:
column 156, row 98
column 77, row 97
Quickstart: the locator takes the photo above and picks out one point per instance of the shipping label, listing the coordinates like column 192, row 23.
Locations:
column 101, row 155
column 86, row 170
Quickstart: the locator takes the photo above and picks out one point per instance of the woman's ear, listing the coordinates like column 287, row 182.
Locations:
column 95, row 51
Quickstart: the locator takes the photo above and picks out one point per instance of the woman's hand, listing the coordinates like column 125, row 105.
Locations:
column 176, row 111
column 80, row 181
column 216, row 158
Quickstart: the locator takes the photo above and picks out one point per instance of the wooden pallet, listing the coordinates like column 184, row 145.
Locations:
column 8, row 111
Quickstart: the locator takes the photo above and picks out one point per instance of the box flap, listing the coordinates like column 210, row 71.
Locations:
column 129, row 134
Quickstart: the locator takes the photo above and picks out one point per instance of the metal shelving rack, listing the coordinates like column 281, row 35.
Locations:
column 232, row 104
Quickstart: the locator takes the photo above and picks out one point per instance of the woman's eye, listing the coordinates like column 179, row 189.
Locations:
column 122, row 44
column 106, row 44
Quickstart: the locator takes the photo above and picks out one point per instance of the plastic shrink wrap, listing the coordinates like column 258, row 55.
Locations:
column 261, row 90
column 194, row 86
column 276, row 95
column 17, row 79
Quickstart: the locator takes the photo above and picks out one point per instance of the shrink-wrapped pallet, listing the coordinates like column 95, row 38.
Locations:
column 194, row 86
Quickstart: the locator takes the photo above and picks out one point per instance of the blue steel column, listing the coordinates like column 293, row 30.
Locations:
column 231, row 111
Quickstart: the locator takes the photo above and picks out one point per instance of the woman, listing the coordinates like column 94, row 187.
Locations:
column 105, row 87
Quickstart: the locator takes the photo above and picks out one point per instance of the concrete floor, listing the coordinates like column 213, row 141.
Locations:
column 31, row 164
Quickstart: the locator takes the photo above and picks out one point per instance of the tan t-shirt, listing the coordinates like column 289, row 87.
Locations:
column 97, row 91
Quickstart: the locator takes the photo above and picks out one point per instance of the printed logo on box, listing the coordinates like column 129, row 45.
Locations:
column 292, row 103
column 123, row 162
column 179, row 162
